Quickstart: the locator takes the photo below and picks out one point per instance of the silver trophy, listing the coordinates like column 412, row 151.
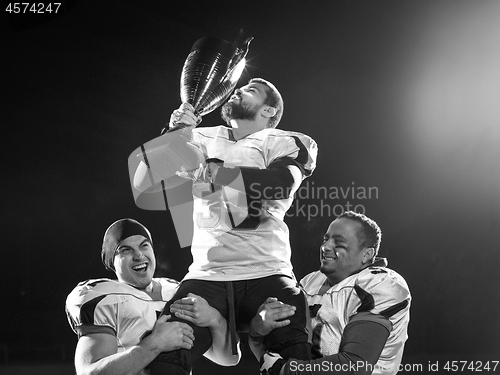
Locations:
column 211, row 72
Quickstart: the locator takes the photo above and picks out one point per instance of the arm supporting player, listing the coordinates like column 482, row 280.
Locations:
column 362, row 343
column 97, row 353
column 196, row 309
column 271, row 314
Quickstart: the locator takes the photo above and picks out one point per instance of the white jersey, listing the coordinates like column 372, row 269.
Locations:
column 379, row 290
column 109, row 306
column 223, row 250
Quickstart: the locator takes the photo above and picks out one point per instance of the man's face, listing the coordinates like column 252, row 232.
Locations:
column 245, row 103
column 341, row 254
column 135, row 261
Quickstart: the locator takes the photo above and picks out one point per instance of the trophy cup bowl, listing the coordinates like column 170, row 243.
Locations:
column 211, row 72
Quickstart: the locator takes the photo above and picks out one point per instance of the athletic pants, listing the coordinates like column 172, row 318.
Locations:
column 238, row 302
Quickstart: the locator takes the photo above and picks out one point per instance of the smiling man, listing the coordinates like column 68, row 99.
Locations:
column 360, row 309
column 116, row 320
column 241, row 248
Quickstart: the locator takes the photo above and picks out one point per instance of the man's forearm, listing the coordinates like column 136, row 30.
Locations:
column 131, row 361
column 221, row 349
column 257, row 346
column 360, row 348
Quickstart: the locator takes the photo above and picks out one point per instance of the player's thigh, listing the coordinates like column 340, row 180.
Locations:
column 283, row 288
column 214, row 292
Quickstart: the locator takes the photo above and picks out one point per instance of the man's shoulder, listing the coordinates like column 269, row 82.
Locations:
column 383, row 282
column 381, row 273
column 312, row 281
column 89, row 289
column 284, row 143
column 102, row 284
column 280, row 133
column 93, row 289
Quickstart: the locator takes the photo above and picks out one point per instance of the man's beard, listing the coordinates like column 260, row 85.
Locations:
column 238, row 111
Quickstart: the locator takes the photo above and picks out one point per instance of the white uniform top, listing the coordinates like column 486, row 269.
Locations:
column 109, row 306
column 222, row 253
column 379, row 290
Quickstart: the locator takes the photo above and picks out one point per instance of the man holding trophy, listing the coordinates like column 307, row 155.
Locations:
column 242, row 188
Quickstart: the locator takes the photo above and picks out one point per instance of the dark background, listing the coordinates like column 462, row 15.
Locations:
column 401, row 96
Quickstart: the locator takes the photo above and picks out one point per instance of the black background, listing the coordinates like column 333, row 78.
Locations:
column 402, row 96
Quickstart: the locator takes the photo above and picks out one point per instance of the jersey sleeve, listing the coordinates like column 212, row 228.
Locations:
column 89, row 311
column 301, row 149
column 380, row 291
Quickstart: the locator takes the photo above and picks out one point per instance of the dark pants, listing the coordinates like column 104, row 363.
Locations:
column 246, row 296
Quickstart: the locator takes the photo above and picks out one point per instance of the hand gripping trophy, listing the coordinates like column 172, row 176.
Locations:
column 209, row 75
column 211, row 72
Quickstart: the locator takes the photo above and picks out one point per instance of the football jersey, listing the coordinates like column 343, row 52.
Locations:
column 226, row 246
column 378, row 290
column 109, row 306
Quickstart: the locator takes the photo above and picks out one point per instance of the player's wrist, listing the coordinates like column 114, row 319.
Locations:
column 256, row 331
column 217, row 324
column 150, row 345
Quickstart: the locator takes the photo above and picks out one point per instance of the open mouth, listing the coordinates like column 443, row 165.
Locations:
column 325, row 257
column 141, row 267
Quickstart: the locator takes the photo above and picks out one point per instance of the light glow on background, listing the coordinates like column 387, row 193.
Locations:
column 454, row 103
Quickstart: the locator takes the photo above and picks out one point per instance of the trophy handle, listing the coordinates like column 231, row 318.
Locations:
column 238, row 57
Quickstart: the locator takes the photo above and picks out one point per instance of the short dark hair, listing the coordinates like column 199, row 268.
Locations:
column 273, row 99
column 370, row 234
